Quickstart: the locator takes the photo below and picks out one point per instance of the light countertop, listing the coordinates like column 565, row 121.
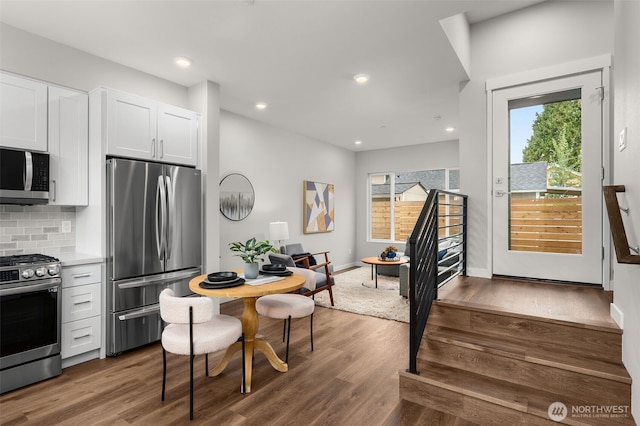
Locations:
column 76, row 258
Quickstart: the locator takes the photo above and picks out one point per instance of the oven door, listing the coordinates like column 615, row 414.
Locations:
column 30, row 322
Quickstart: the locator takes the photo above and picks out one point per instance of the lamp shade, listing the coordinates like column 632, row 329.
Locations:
column 279, row 231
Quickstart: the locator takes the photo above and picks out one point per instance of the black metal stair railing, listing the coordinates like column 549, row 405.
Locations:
column 438, row 251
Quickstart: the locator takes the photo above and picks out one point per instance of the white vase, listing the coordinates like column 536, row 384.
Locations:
column 251, row 270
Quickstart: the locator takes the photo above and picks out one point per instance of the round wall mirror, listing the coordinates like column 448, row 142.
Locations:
column 236, row 196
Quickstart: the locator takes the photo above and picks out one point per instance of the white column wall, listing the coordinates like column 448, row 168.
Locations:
column 626, row 281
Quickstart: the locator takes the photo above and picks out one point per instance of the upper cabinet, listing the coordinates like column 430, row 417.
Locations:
column 178, row 135
column 141, row 128
column 131, row 126
column 68, row 147
column 35, row 116
column 23, row 113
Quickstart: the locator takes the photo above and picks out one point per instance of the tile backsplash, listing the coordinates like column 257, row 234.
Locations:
column 37, row 229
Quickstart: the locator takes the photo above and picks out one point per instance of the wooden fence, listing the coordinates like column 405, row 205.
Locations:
column 406, row 215
column 547, row 225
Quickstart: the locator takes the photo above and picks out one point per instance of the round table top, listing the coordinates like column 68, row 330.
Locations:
column 285, row 285
column 377, row 261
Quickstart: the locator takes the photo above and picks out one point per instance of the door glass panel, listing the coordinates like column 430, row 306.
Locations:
column 545, row 174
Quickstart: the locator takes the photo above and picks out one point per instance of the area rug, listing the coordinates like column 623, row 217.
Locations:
column 355, row 292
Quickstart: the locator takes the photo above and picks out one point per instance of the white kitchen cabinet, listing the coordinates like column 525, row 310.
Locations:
column 144, row 129
column 23, row 113
column 81, row 313
column 131, row 126
column 177, row 135
column 79, row 337
column 68, row 147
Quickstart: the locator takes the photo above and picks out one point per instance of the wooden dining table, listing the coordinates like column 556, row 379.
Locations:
column 249, row 294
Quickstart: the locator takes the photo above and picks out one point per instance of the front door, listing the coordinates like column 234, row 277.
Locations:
column 547, row 179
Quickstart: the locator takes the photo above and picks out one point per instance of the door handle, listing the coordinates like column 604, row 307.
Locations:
column 144, row 312
column 27, row 178
column 161, row 203
column 501, row 193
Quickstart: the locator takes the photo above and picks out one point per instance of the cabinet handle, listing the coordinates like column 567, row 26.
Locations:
column 82, row 303
column 153, row 147
column 84, row 275
column 161, row 148
column 81, row 337
column 54, row 190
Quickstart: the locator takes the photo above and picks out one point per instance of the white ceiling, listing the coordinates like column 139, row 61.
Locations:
column 297, row 56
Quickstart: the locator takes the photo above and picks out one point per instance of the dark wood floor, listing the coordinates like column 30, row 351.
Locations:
column 350, row 379
column 580, row 303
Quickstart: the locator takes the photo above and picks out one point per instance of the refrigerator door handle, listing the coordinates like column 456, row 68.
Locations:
column 144, row 312
column 171, row 204
column 161, row 279
column 161, row 203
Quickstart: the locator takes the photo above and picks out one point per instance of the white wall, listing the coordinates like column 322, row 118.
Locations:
column 626, row 284
column 427, row 156
column 40, row 58
column 276, row 162
column 543, row 35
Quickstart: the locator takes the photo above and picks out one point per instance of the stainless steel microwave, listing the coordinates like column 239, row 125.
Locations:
column 24, row 177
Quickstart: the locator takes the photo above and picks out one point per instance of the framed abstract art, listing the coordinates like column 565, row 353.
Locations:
column 319, row 207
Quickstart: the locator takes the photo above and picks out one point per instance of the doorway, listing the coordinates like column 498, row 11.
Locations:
column 547, row 179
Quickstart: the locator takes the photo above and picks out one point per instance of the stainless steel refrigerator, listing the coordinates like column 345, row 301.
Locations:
column 154, row 241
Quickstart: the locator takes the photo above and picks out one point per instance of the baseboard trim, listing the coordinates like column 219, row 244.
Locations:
column 479, row 272
column 617, row 315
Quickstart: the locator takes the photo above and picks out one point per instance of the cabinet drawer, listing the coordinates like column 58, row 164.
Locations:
column 81, row 274
column 80, row 302
column 80, row 336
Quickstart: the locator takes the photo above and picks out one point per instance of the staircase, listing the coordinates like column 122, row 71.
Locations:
column 490, row 366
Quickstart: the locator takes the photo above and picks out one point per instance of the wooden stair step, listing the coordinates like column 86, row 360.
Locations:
column 523, row 350
column 514, row 370
column 484, row 400
column 603, row 341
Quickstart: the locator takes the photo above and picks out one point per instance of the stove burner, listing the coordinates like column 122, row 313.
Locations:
column 26, row 259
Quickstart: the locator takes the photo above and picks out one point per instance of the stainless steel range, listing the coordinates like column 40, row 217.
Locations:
column 30, row 319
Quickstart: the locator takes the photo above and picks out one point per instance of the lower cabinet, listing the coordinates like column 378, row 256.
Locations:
column 81, row 313
column 80, row 336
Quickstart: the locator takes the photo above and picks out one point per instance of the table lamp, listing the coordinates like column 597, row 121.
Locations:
column 279, row 231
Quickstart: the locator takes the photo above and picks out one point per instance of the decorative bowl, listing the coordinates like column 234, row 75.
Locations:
column 222, row 276
column 275, row 267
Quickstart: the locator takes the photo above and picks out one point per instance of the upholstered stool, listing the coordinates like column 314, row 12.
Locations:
column 287, row 306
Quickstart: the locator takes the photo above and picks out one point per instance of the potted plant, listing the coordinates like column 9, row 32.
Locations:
column 251, row 252
column 390, row 252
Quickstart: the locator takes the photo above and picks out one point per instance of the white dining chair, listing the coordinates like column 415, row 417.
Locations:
column 193, row 329
column 289, row 305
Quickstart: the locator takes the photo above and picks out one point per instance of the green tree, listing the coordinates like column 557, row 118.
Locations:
column 561, row 175
column 557, row 136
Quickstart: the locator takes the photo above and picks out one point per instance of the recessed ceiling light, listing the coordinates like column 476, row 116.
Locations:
column 361, row 78
column 358, row 142
column 183, row 62
column 261, row 106
column 450, row 129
